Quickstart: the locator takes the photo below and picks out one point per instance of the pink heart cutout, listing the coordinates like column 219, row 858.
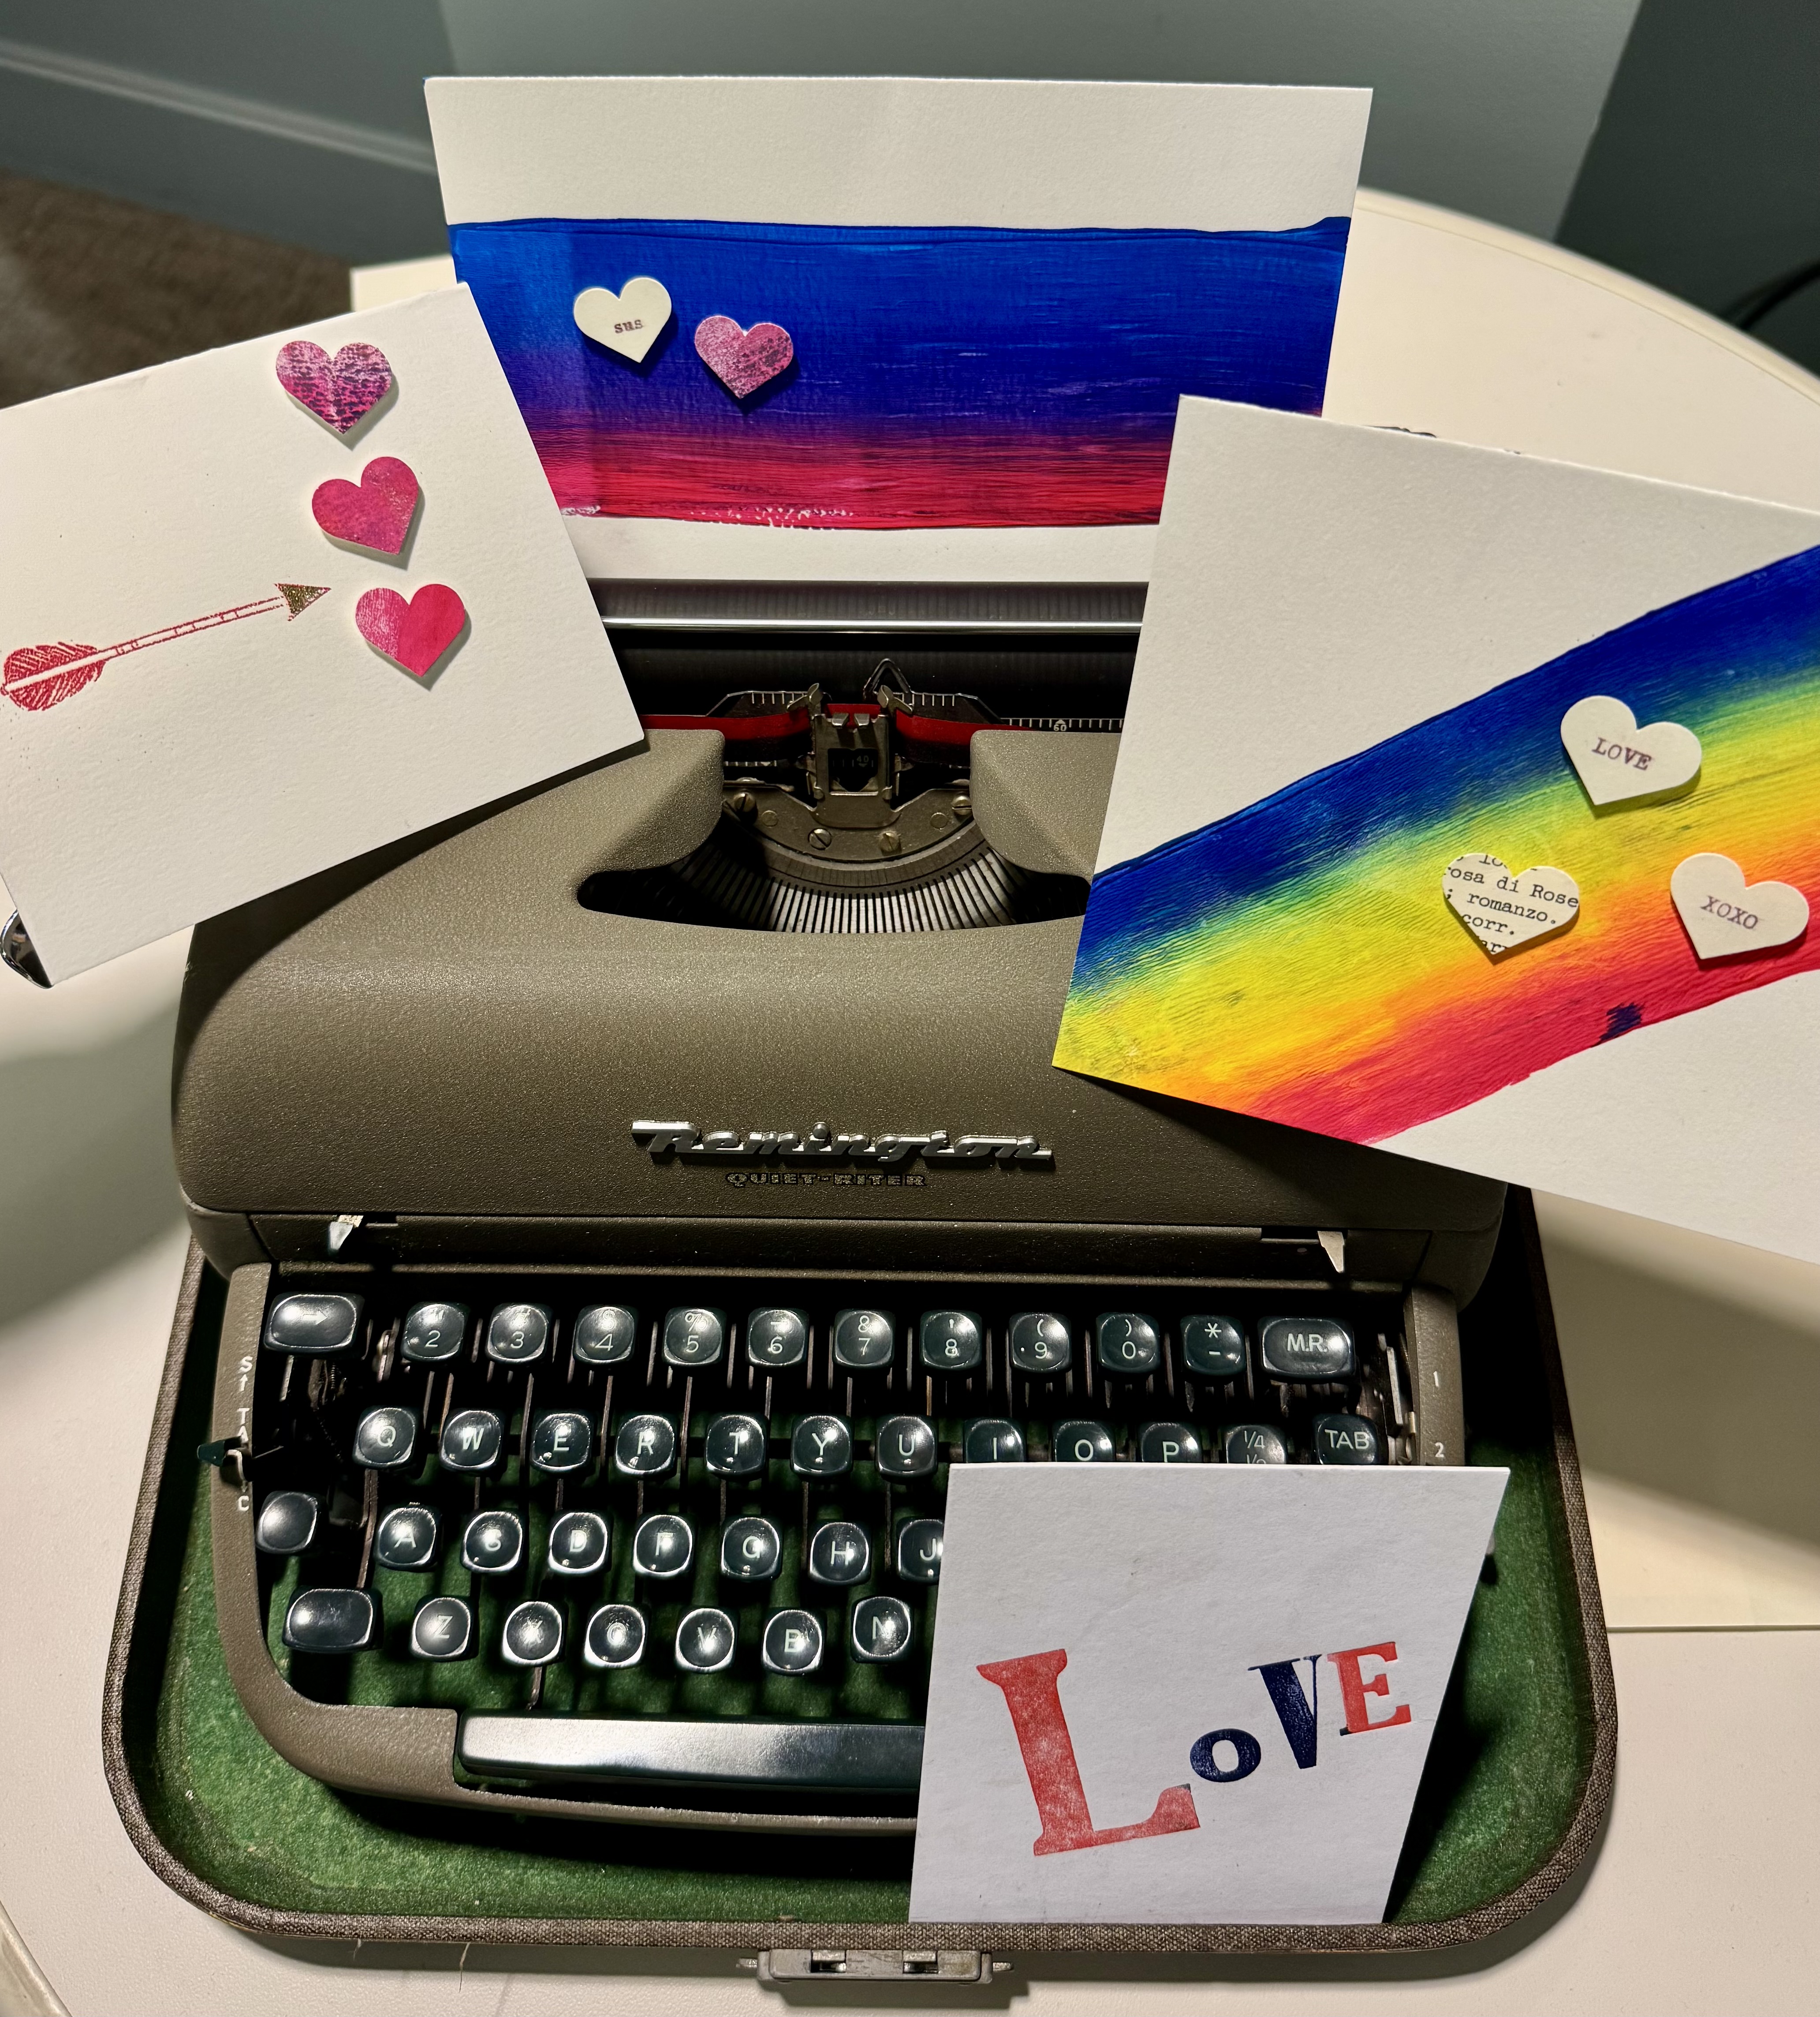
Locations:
column 413, row 634
column 340, row 390
column 375, row 513
column 743, row 359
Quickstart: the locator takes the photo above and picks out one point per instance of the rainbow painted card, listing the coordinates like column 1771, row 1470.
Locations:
column 1300, row 961
column 879, row 308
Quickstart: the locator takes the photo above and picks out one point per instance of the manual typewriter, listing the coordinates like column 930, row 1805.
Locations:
column 638, row 1199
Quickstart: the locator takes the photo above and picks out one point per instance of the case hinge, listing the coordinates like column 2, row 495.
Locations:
column 781, row 1964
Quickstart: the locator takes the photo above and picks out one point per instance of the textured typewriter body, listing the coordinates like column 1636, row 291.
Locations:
column 638, row 1199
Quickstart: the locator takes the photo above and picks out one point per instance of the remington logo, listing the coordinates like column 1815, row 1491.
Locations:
column 686, row 1142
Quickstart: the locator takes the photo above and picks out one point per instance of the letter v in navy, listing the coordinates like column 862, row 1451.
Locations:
column 1295, row 1711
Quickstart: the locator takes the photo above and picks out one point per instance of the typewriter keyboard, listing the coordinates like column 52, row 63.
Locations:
column 658, row 1531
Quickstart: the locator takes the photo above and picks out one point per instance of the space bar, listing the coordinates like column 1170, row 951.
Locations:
column 852, row 1757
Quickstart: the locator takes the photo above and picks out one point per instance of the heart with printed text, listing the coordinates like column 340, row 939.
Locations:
column 628, row 322
column 1617, row 760
column 376, row 513
column 1725, row 916
column 1504, row 908
column 415, row 634
column 743, row 359
column 341, row 391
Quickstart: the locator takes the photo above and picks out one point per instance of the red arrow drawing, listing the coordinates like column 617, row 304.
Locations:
column 38, row 676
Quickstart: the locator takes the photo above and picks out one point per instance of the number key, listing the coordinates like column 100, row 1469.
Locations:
column 951, row 1341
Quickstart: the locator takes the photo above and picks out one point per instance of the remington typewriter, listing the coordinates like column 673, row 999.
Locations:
column 637, row 1200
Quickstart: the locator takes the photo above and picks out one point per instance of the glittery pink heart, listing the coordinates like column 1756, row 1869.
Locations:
column 375, row 513
column 413, row 634
column 341, row 391
column 743, row 359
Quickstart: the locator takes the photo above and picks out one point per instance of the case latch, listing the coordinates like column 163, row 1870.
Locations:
column 781, row 1964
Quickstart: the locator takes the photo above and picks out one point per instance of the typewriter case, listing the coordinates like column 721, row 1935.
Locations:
column 597, row 1029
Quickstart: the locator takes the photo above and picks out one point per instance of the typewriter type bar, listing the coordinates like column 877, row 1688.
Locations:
column 664, row 1532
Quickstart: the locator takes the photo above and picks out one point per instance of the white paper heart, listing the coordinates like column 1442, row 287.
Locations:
column 628, row 322
column 1725, row 917
column 1504, row 910
column 1617, row 760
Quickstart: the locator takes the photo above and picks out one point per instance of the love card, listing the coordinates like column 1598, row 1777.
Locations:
column 889, row 328
column 270, row 607
column 1468, row 804
column 1187, row 1694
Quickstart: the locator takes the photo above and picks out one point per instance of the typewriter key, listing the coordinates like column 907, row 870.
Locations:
column 1127, row 1344
column 881, row 1629
column 645, row 1446
column 578, row 1544
column 863, row 1340
column 334, row 1621
column 315, row 1325
column 821, row 1446
column 704, row 1641
column 904, row 1447
column 733, row 1446
column 615, row 1637
column 518, row 1333
column 694, row 1337
column 494, row 1544
column 1039, row 1344
column 777, row 1337
column 386, row 1439
column 605, row 1335
column 992, row 1442
column 840, row 1553
column 472, row 1440
column 792, row 1641
column 561, row 1441
column 407, row 1538
column 1305, row 1348
column 1081, row 1443
column 1168, row 1442
column 533, row 1637
column 951, row 1341
column 919, row 1551
column 444, row 1629
column 1252, row 1442
column 750, row 1550
column 1345, row 1439
column 1214, row 1347
column 286, row 1523
column 664, row 1546
column 433, row 1332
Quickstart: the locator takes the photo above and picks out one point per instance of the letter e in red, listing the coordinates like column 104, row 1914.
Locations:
column 1354, row 1688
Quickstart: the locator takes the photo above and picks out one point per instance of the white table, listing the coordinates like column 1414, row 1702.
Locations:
column 1707, row 1515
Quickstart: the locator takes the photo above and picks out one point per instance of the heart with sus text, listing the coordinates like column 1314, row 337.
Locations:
column 1617, row 760
column 1504, row 908
column 415, row 634
column 376, row 513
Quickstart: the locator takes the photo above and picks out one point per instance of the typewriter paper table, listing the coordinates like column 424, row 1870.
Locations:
column 1700, row 1897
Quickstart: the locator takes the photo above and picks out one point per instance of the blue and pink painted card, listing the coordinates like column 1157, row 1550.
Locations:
column 942, row 327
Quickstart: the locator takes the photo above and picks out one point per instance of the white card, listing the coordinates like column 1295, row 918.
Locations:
column 913, row 328
column 1224, row 1629
column 1377, row 666
column 283, row 665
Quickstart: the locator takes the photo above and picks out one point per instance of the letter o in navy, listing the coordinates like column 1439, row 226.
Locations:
column 1201, row 1758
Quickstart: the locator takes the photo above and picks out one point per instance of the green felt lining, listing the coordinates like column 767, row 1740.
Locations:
column 1504, row 1779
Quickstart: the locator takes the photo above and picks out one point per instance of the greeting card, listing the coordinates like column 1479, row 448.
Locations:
column 1469, row 805
column 1205, row 1695
column 270, row 607
column 817, row 327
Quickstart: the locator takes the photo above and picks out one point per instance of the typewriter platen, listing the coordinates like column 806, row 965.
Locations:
column 637, row 1201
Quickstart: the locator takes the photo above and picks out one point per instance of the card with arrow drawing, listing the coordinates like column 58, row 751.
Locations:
column 264, row 609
